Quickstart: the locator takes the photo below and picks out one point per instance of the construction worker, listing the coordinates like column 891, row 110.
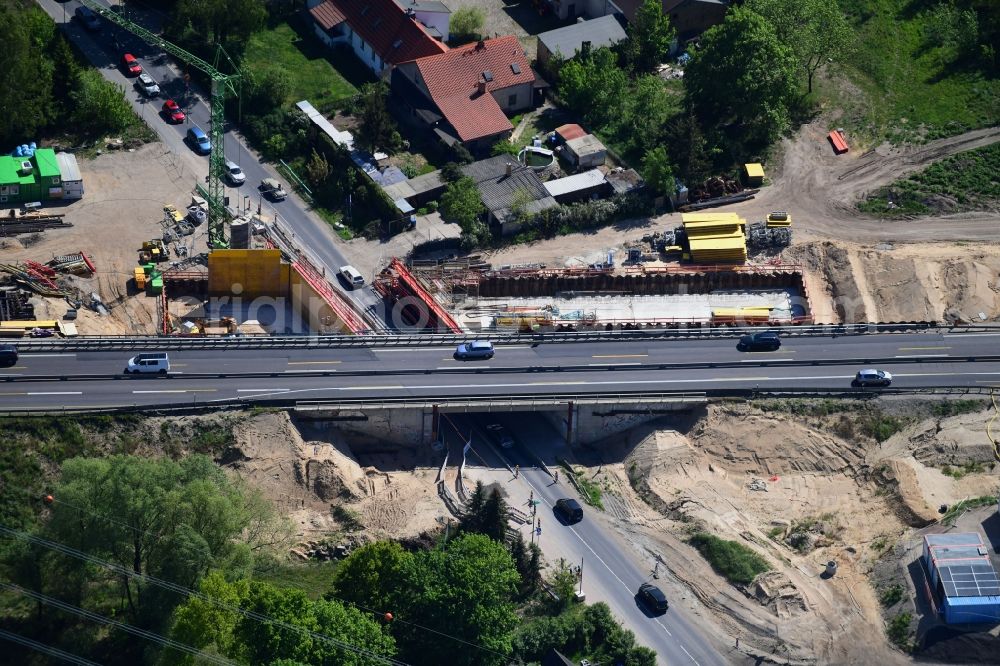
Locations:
column 556, row 476
column 517, row 470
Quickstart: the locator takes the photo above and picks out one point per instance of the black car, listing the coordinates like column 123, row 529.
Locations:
column 653, row 598
column 764, row 341
column 8, row 355
column 569, row 509
column 87, row 17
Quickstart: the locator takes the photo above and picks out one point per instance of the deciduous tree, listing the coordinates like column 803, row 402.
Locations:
column 378, row 130
column 593, row 85
column 657, row 172
column 744, row 75
column 371, row 576
column 815, row 30
column 649, row 37
column 467, row 23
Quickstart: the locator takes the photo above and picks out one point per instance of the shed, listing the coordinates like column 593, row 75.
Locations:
column 586, row 151
column 72, row 179
column 570, row 131
column 753, row 174
column 502, row 179
column 623, row 181
column 586, row 185
column 963, row 583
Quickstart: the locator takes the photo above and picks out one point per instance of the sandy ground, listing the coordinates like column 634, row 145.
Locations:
column 122, row 207
column 860, row 495
column 306, row 477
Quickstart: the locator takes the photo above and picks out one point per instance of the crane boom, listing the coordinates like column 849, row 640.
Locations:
column 221, row 85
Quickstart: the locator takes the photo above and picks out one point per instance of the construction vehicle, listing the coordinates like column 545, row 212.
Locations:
column 153, row 250
column 171, row 215
column 140, row 277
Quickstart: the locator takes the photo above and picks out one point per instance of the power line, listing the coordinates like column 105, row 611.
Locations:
column 135, row 631
column 184, row 591
column 46, row 649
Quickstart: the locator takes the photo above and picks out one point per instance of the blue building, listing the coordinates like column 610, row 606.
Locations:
column 963, row 582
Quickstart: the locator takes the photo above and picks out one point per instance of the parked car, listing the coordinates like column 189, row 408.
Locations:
column 199, row 140
column 470, row 351
column 131, row 65
column 234, row 174
column 87, row 18
column 147, row 86
column 569, row 509
column 872, row 377
column 763, row 341
column 172, row 112
column 272, row 189
column 500, row 435
column 352, row 276
column 653, row 597
column 154, row 362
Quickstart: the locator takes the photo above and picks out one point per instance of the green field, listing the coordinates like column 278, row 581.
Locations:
column 913, row 85
column 967, row 181
column 306, row 61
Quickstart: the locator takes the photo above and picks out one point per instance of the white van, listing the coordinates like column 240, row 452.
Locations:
column 353, row 276
column 153, row 362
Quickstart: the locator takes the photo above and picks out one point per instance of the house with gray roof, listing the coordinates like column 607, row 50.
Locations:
column 570, row 40
column 501, row 180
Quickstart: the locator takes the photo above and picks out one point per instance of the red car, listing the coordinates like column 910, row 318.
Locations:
column 172, row 112
column 131, row 65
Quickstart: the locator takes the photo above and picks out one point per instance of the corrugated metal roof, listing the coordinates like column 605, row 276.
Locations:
column 588, row 144
column 570, row 131
column 575, row 183
column 567, row 41
column 497, row 189
column 68, row 167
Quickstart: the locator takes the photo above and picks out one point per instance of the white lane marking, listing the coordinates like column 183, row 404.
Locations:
column 307, row 372
column 922, row 356
column 261, row 390
column 770, row 360
column 612, row 365
column 714, row 380
column 47, row 355
column 55, row 393
column 970, row 335
column 164, row 391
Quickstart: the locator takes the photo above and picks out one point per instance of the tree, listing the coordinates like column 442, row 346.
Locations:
column 171, row 520
column 219, row 628
column 466, row 24
column 647, row 110
column 564, row 586
column 472, row 520
column 461, row 204
column 371, row 576
column 494, row 523
column 317, row 169
column 204, row 23
column 593, row 85
column 25, row 77
column 378, row 129
column 687, row 145
column 816, row 31
column 99, row 106
column 743, row 75
column 464, row 590
column 649, row 38
column 657, row 172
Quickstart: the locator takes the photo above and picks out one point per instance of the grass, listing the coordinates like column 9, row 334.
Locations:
column 307, row 63
column 898, row 630
column 961, row 507
column 334, row 218
column 914, row 88
column 589, row 490
column 966, row 181
column 854, row 419
column 891, row 595
column 732, row 560
column 959, row 472
column 311, row 577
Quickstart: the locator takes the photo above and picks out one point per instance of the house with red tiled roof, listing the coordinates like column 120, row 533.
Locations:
column 381, row 33
column 464, row 95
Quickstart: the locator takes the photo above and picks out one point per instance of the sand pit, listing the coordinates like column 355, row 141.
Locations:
column 799, row 494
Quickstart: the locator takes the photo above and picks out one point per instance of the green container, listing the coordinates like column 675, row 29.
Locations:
column 156, row 285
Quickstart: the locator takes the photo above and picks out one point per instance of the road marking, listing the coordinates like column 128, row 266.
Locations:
column 558, row 383
column 970, row 335
column 54, row 393
column 619, row 355
column 438, row 348
column 753, row 360
column 179, row 391
column 368, row 388
column 12, row 393
column 46, row 355
column 922, row 356
column 19, row 367
column 611, row 365
column 294, row 372
column 920, row 348
column 178, row 365
column 314, row 362
column 261, row 389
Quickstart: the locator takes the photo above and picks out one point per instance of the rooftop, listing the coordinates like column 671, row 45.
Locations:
column 383, row 24
column 585, row 145
column 424, row 6
column 497, row 188
column 567, row 41
column 580, row 181
column 453, row 81
column 570, row 131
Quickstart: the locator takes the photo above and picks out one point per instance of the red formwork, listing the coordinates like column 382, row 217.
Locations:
column 404, row 283
column 320, row 285
column 838, row 141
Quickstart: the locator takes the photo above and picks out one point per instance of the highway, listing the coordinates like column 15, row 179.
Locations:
column 309, row 231
column 53, row 380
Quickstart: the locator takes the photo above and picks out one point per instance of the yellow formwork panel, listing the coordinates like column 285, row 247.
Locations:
column 247, row 273
column 696, row 218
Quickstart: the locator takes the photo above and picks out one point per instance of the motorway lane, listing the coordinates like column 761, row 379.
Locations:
column 430, row 385
column 309, row 232
column 925, row 346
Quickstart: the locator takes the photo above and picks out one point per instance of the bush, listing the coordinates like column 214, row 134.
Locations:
column 898, row 630
column 730, row 559
column 891, row 595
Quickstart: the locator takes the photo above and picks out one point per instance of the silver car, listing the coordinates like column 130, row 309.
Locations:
column 147, row 85
column 872, row 377
column 477, row 349
column 234, row 174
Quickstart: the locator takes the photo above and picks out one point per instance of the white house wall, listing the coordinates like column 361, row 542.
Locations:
column 524, row 93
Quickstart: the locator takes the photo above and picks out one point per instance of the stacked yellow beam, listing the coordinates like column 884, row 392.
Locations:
column 757, row 314
column 715, row 237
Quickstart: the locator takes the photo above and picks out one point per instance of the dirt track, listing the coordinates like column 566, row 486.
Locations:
column 821, row 190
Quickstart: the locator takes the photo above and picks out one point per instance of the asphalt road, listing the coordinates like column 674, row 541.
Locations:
column 611, row 572
column 104, row 49
column 93, row 379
